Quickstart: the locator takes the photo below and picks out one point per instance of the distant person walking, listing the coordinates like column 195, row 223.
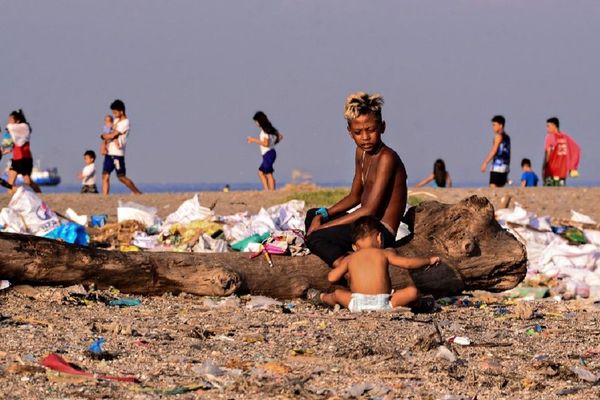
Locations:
column 115, row 149
column 440, row 176
column 267, row 139
column 561, row 155
column 499, row 154
column 22, row 160
column 528, row 178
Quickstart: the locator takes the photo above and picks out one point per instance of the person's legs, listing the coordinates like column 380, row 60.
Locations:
column 339, row 296
column 27, row 181
column 105, row 183
column 270, row 181
column 129, row 183
column 263, row 180
column 331, row 244
column 404, row 296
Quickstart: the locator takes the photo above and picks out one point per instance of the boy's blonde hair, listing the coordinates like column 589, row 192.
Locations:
column 361, row 103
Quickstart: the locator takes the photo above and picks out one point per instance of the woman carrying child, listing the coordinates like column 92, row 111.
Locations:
column 267, row 139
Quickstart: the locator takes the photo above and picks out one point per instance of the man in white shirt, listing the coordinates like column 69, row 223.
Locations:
column 115, row 156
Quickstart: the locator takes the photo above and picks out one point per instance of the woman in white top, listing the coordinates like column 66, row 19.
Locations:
column 267, row 139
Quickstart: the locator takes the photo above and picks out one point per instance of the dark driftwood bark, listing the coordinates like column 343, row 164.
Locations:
column 34, row 260
column 476, row 252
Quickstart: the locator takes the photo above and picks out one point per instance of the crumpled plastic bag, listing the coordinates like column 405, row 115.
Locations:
column 207, row 244
column 130, row 211
column 189, row 211
column 71, row 233
column 581, row 218
column 10, row 221
column 37, row 217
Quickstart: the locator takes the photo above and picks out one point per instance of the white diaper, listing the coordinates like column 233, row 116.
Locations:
column 369, row 302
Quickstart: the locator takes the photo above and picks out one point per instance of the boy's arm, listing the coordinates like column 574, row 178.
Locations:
column 490, row 156
column 110, row 136
column 448, row 180
column 425, row 181
column 409, row 262
column 251, row 139
column 345, row 204
column 338, row 272
column 372, row 203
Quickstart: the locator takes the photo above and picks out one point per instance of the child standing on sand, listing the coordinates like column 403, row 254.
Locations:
column 528, row 178
column 379, row 186
column 367, row 272
column 267, row 139
column 88, row 174
column 440, row 176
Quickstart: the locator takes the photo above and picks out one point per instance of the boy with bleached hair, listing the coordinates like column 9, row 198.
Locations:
column 379, row 186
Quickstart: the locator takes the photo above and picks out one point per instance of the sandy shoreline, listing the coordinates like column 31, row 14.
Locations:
column 556, row 202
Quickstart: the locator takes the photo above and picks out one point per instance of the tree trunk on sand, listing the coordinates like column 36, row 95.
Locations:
column 476, row 254
column 35, row 260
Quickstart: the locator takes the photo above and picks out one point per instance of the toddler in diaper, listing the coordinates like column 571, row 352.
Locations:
column 366, row 270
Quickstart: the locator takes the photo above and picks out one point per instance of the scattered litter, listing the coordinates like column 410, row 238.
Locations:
column 208, row 367
column 585, row 374
column 262, row 303
column 4, row 284
column 460, row 340
column 444, row 353
column 125, row 302
column 57, row 363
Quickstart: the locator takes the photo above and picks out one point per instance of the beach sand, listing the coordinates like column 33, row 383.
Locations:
column 304, row 352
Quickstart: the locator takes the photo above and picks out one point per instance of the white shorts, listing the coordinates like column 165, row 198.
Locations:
column 369, row 302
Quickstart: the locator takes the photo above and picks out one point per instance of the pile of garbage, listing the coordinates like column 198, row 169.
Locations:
column 191, row 228
column 564, row 256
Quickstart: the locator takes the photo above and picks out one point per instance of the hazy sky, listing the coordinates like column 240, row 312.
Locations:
column 192, row 73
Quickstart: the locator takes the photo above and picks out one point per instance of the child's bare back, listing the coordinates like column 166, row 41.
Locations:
column 368, row 271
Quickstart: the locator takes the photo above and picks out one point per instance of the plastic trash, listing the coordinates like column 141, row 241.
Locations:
column 96, row 346
column 4, row 284
column 144, row 241
column 37, row 217
column 73, row 216
column 11, row 221
column 137, row 212
column 460, row 340
column 98, row 221
column 242, row 245
column 70, row 233
column 208, row 367
column 584, row 374
column 444, row 353
column 190, row 210
column 125, row 302
column 581, row 218
column 57, row 363
column 262, row 303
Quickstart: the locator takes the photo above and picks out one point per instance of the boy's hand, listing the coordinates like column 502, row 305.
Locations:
column 314, row 225
column 483, row 167
column 249, row 139
column 433, row 261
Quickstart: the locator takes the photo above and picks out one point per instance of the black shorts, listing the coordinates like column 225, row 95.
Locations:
column 498, row 178
column 24, row 166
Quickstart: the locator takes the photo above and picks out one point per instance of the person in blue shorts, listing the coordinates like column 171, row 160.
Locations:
column 114, row 160
column 267, row 139
column 528, row 178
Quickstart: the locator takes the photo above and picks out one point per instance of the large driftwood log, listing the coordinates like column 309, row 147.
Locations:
column 476, row 252
column 34, row 260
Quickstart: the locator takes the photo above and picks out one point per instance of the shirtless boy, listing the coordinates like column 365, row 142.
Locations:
column 367, row 271
column 379, row 186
